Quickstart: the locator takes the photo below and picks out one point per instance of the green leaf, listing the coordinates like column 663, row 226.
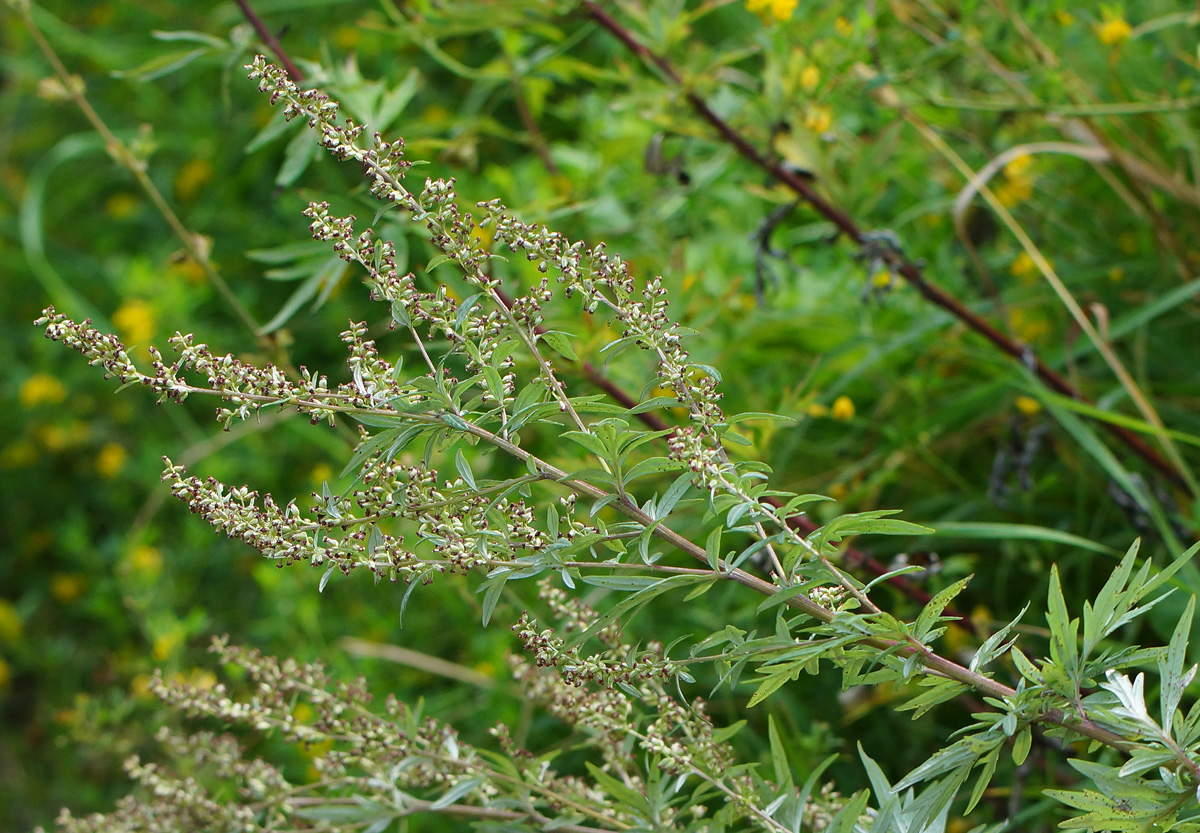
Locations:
column 301, row 151
column 164, row 64
column 464, row 468
column 993, row 646
column 783, row 771
column 939, row 691
column 665, row 504
column 1022, row 745
column 560, row 343
column 846, row 820
column 653, row 465
column 459, row 790
column 932, row 612
column 617, row 789
column 712, row 547
column 1063, row 630
column 653, row 404
column 1171, row 667
column 588, row 441
column 1012, row 532
column 864, row 523
column 985, row 778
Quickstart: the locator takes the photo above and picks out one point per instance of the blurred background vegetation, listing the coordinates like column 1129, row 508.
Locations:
column 896, row 404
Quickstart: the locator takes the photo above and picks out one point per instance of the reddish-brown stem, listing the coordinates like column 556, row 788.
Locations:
column 904, row 267
column 269, row 39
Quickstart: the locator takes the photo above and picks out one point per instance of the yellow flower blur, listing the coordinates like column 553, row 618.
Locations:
column 1018, row 167
column 41, row 389
column 121, row 205
column 1023, row 267
column 135, row 321
column 843, row 409
column 818, row 118
column 10, row 622
column 191, row 177
column 66, row 587
column 772, row 9
column 1114, row 31
column 1028, row 405
column 145, row 560
column 1028, row 328
column 164, row 646
column 810, row 77
column 111, row 459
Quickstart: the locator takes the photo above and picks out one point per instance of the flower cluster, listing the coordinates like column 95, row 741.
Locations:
column 550, row 651
column 603, row 280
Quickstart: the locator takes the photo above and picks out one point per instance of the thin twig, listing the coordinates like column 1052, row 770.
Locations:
column 269, row 39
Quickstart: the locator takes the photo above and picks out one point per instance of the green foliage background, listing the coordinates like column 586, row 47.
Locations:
column 103, row 578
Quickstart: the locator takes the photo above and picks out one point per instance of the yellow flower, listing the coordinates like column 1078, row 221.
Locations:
column 838, row 491
column 783, row 9
column 818, row 118
column 315, row 750
column 1028, row 328
column 1023, row 268
column 5, row 675
column 768, row 9
column 843, row 27
column 145, row 560
column 1116, row 274
column 1065, row 18
column 58, row 437
column 10, row 622
column 1013, row 191
column 66, row 587
column 810, row 77
column 135, row 321
column 203, row 679
column 121, row 205
column 139, row 686
column 347, row 37
column 1018, row 166
column 41, row 389
column 816, row 410
column 191, row 177
column 321, row 473
column 1028, row 405
column 843, row 409
column 164, row 646
column 1114, row 31
column 111, row 459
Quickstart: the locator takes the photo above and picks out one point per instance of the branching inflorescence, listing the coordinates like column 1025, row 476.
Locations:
column 486, row 377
